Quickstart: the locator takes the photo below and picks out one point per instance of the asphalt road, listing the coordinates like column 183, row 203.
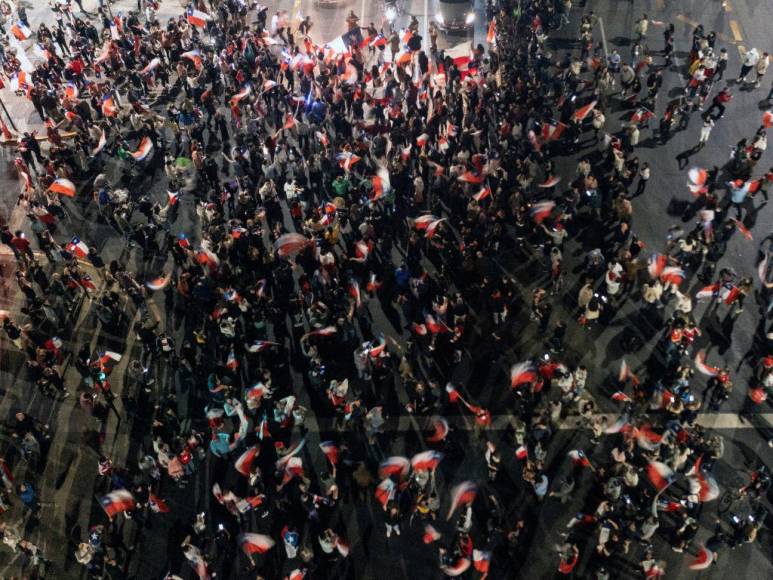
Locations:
column 68, row 479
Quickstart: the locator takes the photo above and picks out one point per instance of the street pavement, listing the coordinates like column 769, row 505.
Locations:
column 68, row 479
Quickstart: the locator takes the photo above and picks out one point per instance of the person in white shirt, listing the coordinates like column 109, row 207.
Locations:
column 708, row 125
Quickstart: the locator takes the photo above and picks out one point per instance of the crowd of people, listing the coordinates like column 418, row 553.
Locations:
column 320, row 237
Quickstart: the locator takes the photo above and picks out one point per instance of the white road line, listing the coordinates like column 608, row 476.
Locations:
column 404, row 423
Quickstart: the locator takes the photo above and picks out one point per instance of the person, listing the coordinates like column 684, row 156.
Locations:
column 719, row 102
column 708, row 125
column 761, row 68
column 750, row 60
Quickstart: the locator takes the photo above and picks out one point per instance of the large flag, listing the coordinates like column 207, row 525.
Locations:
column 462, row 494
column 78, row 247
column 63, row 186
column 426, row 460
column 255, row 543
column 117, row 502
column 198, row 18
column 143, row 150
column 20, row 30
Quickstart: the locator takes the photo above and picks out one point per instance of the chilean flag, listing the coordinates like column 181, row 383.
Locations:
column 470, row 177
column 424, row 221
column 521, row 453
column 198, row 18
column 77, row 247
column 708, row 291
column 482, row 194
column 522, row 373
column 150, row 66
column 289, row 244
column 71, row 90
column 673, row 275
column 433, row 326
column 581, row 113
column 117, row 502
column 63, row 186
column 100, row 145
column 346, row 160
column 395, row 465
column 430, row 534
column 158, row 505
column 330, row 450
column 21, row 31
column 261, row 345
column 244, row 464
column 143, row 150
column 385, row 492
column 459, row 568
column 195, row 56
column 432, row 228
column 578, row 457
column 441, row 430
column 108, row 107
column 481, row 560
column 660, row 475
column 656, row 264
column 108, row 358
column 704, row 560
column 541, row 210
column 426, row 460
column 700, row 364
column 462, row 494
column 703, row 486
column 158, row 283
column 255, row 543
column 241, row 94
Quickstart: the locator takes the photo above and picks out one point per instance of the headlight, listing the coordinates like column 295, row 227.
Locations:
column 470, row 18
column 439, row 18
column 391, row 13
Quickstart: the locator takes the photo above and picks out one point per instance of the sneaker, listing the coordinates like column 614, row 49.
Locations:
column 397, row 531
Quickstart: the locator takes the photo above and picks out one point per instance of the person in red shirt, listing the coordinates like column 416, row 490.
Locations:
column 719, row 102
column 22, row 244
column 569, row 558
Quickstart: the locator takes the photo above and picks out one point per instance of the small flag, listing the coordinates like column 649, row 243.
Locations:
column 521, row 374
column 426, row 460
column 157, row 504
column 100, row 144
column 77, row 247
column 198, row 18
column 63, row 186
column 700, row 364
column 578, row 457
column 395, row 465
column 703, row 561
column 330, row 450
column 246, row 460
column 158, row 283
column 462, row 494
column 143, row 150
column 660, row 475
column 117, row 502
column 441, row 429
column 21, row 31
column 289, row 244
column 255, row 543
column 541, row 210
column 581, row 113
column 385, row 492
column 108, row 107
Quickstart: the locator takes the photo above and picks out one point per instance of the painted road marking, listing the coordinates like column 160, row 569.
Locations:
column 727, row 6
column 741, row 50
column 735, row 28
column 407, row 423
column 660, row 4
